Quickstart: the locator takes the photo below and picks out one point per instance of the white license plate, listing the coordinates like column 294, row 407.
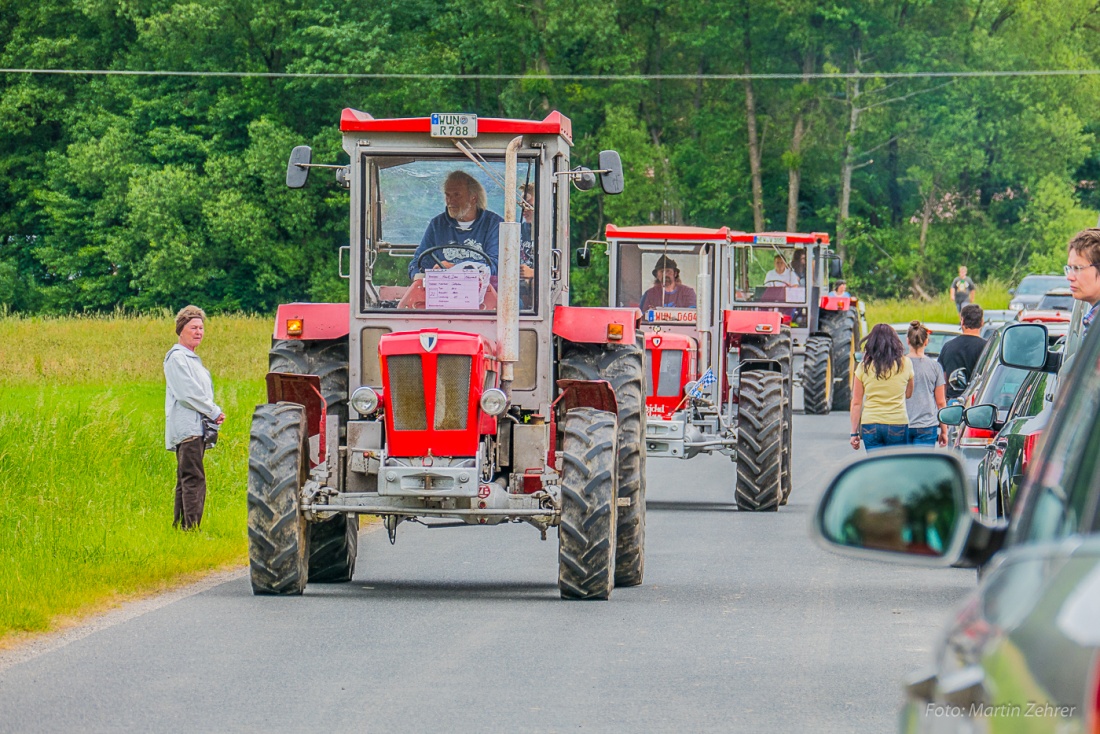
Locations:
column 769, row 239
column 670, row 315
column 453, row 125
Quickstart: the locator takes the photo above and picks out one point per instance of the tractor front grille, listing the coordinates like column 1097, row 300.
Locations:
column 452, row 392
column 406, row 392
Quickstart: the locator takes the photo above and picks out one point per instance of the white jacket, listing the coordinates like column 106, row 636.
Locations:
column 189, row 393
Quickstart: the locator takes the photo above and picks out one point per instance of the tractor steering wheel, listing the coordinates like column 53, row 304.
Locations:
column 434, row 252
column 772, row 283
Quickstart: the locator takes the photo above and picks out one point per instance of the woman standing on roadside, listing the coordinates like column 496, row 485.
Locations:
column 928, row 392
column 884, row 379
column 188, row 400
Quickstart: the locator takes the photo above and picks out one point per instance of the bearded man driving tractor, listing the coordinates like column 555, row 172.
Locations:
column 667, row 290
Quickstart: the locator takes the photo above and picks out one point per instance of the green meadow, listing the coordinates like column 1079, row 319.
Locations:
column 991, row 295
column 86, row 485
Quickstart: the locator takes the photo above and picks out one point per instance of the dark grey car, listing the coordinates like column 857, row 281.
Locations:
column 1032, row 288
column 1023, row 653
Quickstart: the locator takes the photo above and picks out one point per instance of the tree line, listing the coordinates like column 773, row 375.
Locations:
column 145, row 192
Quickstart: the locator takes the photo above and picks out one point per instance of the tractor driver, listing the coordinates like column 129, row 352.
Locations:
column 667, row 290
column 781, row 275
column 466, row 231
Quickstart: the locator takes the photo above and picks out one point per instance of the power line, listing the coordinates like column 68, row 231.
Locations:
column 569, row 77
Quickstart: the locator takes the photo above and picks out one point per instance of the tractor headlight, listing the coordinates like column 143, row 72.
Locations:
column 689, row 387
column 494, row 401
column 364, row 400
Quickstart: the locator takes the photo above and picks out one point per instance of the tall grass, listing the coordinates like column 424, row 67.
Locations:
column 992, row 294
column 86, row 486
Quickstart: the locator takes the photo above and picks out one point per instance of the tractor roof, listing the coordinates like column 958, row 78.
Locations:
column 780, row 238
column 668, row 232
column 554, row 124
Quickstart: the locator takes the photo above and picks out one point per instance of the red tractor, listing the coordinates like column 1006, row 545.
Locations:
column 721, row 339
column 457, row 383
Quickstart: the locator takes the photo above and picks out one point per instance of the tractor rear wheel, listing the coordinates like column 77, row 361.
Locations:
column 759, row 441
column 333, row 545
column 278, row 536
column 327, row 359
column 817, row 375
column 841, row 328
column 586, row 535
column 623, row 366
column 777, row 348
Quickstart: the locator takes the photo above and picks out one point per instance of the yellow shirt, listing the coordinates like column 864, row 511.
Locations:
column 884, row 400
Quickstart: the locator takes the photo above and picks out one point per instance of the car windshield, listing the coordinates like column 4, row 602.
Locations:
column 936, row 340
column 1037, row 285
column 769, row 274
column 660, row 279
column 432, row 234
column 1056, row 302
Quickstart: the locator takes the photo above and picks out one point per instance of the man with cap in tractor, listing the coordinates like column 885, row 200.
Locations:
column 667, row 290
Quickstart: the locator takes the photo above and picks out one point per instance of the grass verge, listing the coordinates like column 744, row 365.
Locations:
column 991, row 295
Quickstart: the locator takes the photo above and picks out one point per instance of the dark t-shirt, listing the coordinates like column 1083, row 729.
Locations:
column 962, row 288
column 961, row 353
column 655, row 297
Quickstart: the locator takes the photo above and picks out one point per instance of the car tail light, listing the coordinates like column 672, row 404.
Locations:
column 977, row 437
column 1031, row 440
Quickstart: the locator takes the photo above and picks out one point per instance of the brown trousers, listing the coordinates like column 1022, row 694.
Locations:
column 190, row 484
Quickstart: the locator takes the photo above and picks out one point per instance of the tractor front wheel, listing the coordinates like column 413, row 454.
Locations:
column 778, row 348
column 278, row 536
column 759, row 441
column 333, row 546
column 586, row 535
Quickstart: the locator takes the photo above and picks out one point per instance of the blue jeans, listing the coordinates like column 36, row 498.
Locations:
column 883, row 435
column 924, row 436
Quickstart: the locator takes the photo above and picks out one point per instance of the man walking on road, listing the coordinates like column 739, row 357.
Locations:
column 962, row 289
column 959, row 355
column 1083, row 271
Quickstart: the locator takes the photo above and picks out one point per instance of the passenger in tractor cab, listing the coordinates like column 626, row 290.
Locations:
column 798, row 265
column 667, row 290
column 466, row 234
column 527, row 232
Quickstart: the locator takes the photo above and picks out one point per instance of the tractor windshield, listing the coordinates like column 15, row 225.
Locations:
column 660, row 279
column 432, row 233
column 769, row 274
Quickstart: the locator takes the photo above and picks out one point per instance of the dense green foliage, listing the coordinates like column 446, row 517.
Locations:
column 147, row 192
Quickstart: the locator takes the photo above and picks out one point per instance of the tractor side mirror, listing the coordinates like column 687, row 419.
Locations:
column 584, row 257
column 297, row 169
column 583, row 178
column 836, row 268
column 611, row 176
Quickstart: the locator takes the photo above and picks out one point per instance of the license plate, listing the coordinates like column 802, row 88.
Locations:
column 769, row 239
column 671, row 315
column 453, row 125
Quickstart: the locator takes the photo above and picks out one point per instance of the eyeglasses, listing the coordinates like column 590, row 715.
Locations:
column 1077, row 269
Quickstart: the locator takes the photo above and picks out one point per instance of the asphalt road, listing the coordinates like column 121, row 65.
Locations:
column 742, row 624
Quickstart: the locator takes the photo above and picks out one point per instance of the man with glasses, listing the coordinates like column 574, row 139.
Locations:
column 1083, row 270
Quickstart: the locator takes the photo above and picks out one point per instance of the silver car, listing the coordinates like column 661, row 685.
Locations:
column 1023, row 652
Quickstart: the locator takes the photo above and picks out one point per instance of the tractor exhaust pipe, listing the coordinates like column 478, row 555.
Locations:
column 508, row 272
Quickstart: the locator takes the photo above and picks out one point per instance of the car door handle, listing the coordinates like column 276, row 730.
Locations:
column 964, row 688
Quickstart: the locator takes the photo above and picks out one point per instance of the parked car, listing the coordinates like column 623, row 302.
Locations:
column 939, row 334
column 1032, row 288
column 990, row 382
column 1007, row 458
column 1023, row 652
column 994, row 319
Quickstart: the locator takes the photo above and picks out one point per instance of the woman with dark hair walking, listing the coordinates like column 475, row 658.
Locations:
column 929, row 394
column 884, row 380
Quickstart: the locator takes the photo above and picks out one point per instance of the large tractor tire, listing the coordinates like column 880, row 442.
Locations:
column 586, row 536
column 843, row 331
column 777, row 348
column 759, row 441
column 817, row 376
column 333, row 545
column 327, row 359
column 278, row 536
column 623, row 366
column 334, row 542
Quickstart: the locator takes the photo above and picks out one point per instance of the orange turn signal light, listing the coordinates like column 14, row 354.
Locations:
column 615, row 332
column 765, row 328
column 294, row 327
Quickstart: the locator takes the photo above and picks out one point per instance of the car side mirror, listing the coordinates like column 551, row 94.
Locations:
column 1025, row 346
column 611, row 172
column 952, row 415
column 836, row 268
column 297, row 169
column 904, row 505
column 980, row 416
column 1011, row 291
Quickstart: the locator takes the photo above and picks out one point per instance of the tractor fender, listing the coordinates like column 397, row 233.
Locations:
column 836, row 303
column 305, row 390
column 751, row 322
column 320, row 321
column 592, row 325
column 760, row 365
column 596, row 394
